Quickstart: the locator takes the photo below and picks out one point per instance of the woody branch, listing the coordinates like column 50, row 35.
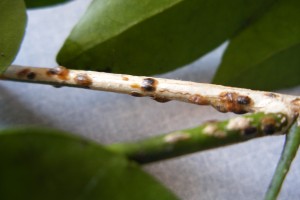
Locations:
column 224, row 99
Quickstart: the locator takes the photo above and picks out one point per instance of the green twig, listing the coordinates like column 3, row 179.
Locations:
column 288, row 154
column 206, row 136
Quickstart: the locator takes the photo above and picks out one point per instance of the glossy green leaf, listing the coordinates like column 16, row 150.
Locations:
column 147, row 37
column 43, row 3
column 266, row 55
column 46, row 164
column 12, row 28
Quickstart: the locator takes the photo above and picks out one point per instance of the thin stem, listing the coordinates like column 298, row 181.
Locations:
column 206, row 136
column 289, row 152
column 224, row 99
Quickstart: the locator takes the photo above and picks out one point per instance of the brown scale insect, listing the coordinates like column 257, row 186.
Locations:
column 149, row 85
column 61, row 72
column 269, row 129
column 136, row 94
column 243, row 100
column 232, row 102
column 268, row 125
column 251, row 130
column 31, row 75
column 161, row 100
column 199, row 99
column 83, row 79
column 23, row 73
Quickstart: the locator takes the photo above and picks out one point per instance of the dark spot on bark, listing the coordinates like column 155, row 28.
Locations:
column 149, row 85
column 269, row 129
column 232, row 102
column 23, row 73
column 239, row 111
column 268, row 125
column 161, row 100
column 199, row 99
column 136, row 94
column 61, row 72
column 83, row 79
column 54, row 71
column 57, row 86
column 220, row 108
column 31, row 75
column 243, row 100
column 250, row 130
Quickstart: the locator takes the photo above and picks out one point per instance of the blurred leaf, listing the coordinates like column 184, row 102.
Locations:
column 13, row 21
column 266, row 55
column 43, row 3
column 46, row 164
column 147, row 37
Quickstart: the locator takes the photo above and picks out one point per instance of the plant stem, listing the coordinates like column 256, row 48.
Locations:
column 224, row 99
column 289, row 152
column 206, row 136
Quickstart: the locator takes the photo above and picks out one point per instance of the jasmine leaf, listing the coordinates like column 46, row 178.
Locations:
column 265, row 55
column 145, row 37
column 43, row 3
column 48, row 164
column 13, row 21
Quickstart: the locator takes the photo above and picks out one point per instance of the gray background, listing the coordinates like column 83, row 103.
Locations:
column 240, row 171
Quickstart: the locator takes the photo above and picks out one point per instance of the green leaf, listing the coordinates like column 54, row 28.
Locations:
column 266, row 54
column 145, row 37
column 43, row 3
column 12, row 28
column 46, row 164
column 289, row 152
